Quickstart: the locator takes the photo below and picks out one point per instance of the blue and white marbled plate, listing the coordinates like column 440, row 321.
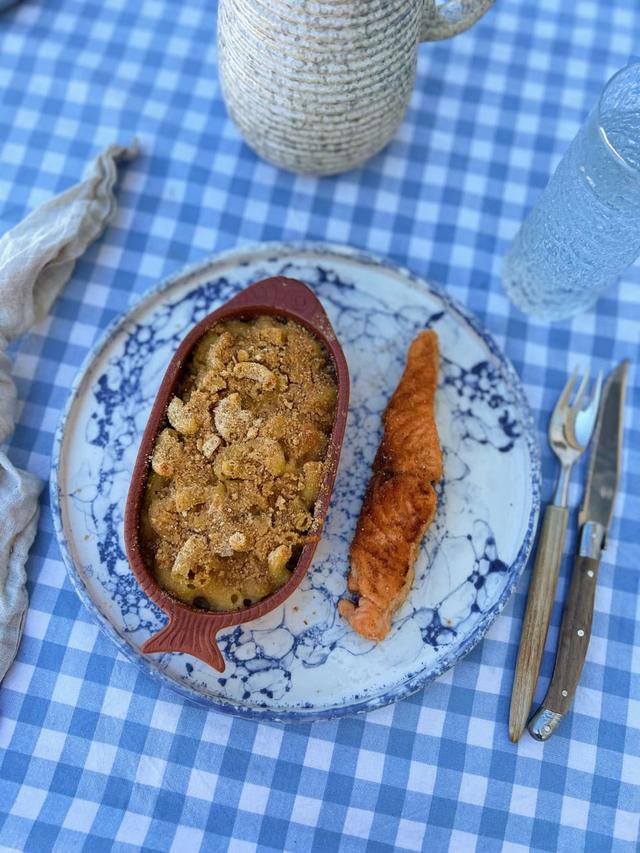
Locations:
column 303, row 661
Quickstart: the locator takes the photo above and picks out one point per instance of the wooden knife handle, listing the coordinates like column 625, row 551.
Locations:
column 542, row 592
column 572, row 648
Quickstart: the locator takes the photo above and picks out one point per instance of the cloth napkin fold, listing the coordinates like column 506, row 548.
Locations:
column 37, row 258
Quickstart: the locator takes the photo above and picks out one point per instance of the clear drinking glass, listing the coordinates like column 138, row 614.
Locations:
column 585, row 229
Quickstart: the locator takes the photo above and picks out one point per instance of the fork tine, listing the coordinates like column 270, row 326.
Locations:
column 580, row 423
column 561, row 410
column 597, row 392
column 591, row 411
column 563, row 399
column 577, row 403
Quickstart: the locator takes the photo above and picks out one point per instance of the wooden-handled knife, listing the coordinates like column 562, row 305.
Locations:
column 594, row 520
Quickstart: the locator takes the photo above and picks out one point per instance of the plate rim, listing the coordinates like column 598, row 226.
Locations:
column 244, row 253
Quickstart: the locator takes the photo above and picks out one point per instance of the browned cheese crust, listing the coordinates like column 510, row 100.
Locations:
column 238, row 468
column 400, row 501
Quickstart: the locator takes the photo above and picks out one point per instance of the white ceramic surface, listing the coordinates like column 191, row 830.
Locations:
column 302, row 660
column 319, row 87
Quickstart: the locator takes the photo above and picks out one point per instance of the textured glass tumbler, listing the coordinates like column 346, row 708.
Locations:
column 585, row 228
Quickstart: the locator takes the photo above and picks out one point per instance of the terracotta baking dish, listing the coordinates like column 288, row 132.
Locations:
column 190, row 629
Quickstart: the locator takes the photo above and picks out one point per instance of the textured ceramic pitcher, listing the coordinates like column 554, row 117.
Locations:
column 319, row 86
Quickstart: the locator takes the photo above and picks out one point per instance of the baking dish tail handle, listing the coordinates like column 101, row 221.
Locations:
column 190, row 635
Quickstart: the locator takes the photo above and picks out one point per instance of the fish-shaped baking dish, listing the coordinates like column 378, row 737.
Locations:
column 192, row 629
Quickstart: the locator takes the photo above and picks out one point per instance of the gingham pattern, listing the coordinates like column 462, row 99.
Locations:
column 96, row 755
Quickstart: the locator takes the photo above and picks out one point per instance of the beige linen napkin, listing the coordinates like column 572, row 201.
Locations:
column 36, row 259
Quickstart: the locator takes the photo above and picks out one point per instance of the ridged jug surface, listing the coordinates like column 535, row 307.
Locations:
column 319, row 87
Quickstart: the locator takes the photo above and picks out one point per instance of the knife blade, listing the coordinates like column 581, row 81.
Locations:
column 594, row 520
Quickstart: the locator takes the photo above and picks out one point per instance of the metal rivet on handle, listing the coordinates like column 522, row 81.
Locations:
column 564, row 693
column 580, row 632
column 590, row 573
column 546, row 729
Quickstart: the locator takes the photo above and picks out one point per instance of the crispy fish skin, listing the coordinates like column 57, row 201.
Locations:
column 400, row 501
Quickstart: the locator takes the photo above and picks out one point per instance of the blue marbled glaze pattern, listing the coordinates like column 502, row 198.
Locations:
column 302, row 659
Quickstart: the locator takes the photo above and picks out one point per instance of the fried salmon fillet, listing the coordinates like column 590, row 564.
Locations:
column 400, row 500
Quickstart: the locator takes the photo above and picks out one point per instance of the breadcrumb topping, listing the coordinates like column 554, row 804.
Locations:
column 237, row 470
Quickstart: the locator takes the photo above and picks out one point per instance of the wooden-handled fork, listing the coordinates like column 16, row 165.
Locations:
column 570, row 430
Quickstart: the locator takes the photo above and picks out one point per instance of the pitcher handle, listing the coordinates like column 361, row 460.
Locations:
column 443, row 20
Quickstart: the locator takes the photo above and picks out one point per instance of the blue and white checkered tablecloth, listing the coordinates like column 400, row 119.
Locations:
column 97, row 756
